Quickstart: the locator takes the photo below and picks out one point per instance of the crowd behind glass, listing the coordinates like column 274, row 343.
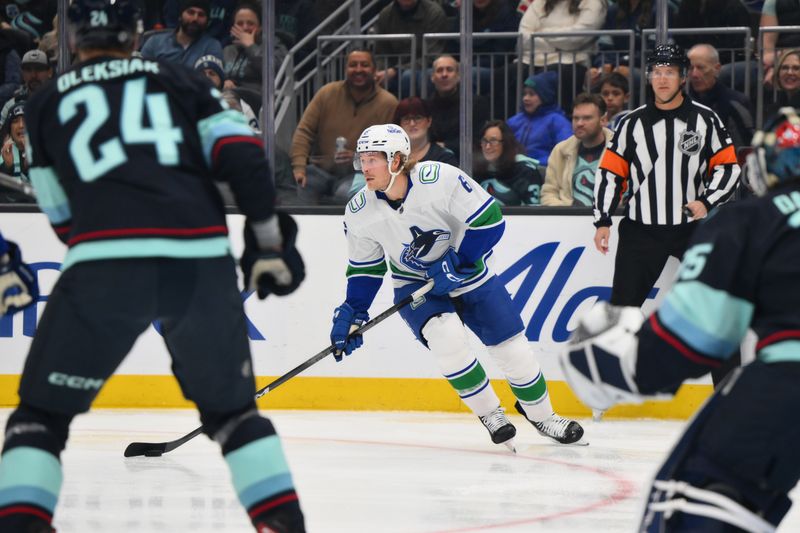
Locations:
column 537, row 136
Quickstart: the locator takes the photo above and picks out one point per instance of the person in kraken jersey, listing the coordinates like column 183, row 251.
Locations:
column 123, row 156
column 736, row 462
column 430, row 221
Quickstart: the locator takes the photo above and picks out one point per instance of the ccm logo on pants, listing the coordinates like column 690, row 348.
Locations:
column 74, row 382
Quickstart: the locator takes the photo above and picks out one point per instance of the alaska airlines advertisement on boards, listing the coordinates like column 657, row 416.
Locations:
column 548, row 264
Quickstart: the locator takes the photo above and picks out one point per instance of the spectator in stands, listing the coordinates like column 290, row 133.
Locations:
column 36, row 70
column 34, row 18
column 541, row 124
column 614, row 90
column 219, row 13
column 408, row 16
column 636, row 15
column 571, row 54
column 508, row 175
column 488, row 16
column 569, row 180
column 14, row 162
column 445, row 106
column 49, row 43
column 13, row 150
column 704, row 87
column 786, row 81
column 10, row 68
column 189, row 41
column 778, row 13
column 340, row 109
column 713, row 14
column 414, row 116
column 244, row 55
column 211, row 67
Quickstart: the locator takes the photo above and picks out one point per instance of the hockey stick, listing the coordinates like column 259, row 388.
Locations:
column 155, row 449
column 15, row 184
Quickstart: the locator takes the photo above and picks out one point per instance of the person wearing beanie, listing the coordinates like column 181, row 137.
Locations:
column 220, row 17
column 189, row 41
column 212, row 68
column 14, row 162
column 541, row 124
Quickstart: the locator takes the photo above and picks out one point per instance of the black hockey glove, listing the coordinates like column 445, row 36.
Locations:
column 18, row 286
column 266, row 269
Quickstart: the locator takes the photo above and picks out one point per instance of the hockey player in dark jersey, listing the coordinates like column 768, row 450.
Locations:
column 18, row 286
column 124, row 153
column 737, row 460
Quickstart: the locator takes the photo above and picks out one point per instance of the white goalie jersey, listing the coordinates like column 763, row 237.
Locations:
column 443, row 208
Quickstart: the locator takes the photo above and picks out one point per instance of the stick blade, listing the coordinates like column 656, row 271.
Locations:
column 146, row 449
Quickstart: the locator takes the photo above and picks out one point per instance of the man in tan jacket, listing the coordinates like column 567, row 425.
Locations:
column 569, row 179
column 323, row 143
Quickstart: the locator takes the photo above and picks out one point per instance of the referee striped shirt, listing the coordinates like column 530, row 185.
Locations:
column 661, row 160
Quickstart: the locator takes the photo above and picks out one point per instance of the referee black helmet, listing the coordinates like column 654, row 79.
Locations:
column 668, row 54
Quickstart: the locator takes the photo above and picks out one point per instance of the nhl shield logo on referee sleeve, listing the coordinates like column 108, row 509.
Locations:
column 689, row 142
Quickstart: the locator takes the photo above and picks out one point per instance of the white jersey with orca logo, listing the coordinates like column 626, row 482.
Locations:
column 441, row 205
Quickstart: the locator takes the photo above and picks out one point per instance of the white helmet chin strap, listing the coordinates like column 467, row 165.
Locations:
column 393, row 176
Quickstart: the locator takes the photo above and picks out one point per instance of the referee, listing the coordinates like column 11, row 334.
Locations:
column 674, row 161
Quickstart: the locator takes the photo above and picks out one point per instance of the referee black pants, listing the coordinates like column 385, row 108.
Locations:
column 642, row 252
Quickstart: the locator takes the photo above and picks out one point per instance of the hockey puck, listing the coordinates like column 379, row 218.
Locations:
column 153, row 453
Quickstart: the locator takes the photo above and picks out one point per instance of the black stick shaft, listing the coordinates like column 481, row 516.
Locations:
column 135, row 449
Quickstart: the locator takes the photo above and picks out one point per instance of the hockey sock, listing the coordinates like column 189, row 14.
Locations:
column 474, row 389
column 30, row 470
column 261, row 476
column 447, row 339
column 533, row 397
column 522, row 371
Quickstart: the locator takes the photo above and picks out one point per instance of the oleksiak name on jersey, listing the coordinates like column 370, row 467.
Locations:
column 443, row 208
column 124, row 154
column 107, row 70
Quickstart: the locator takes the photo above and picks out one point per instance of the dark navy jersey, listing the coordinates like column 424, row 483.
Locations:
column 124, row 153
column 741, row 270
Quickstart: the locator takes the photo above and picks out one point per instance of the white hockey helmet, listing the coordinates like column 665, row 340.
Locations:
column 389, row 139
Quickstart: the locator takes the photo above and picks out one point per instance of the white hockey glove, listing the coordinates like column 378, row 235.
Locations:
column 599, row 361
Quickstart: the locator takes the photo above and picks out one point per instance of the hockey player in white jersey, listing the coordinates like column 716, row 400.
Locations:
column 430, row 221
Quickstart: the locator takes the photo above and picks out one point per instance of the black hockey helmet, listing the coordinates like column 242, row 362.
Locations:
column 776, row 152
column 668, row 54
column 103, row 23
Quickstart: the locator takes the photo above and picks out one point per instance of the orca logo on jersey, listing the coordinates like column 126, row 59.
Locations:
column 421, row 244
column 689, row 142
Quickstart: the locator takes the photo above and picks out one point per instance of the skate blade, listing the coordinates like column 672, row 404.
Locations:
column 597, row 415
column 510, row 445
column 581, row 442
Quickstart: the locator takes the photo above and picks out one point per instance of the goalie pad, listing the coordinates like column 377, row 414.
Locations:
column 599, row 361
column 701, row 510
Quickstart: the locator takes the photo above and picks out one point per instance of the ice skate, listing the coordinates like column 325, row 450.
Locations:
column 560, row 429
column 500, row 428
